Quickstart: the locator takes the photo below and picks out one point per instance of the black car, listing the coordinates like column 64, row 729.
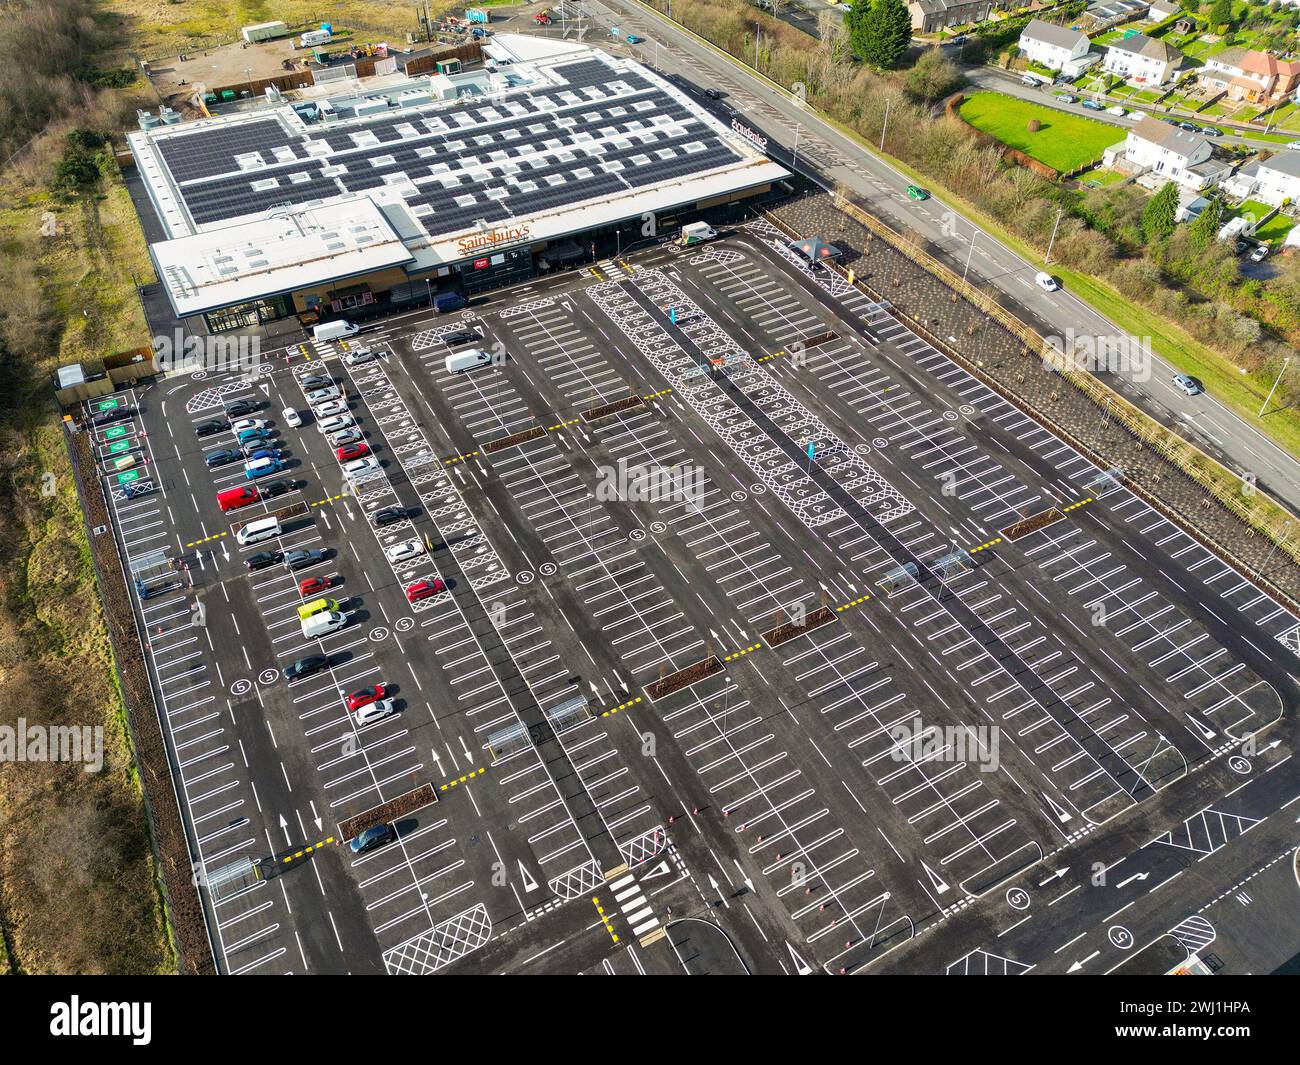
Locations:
column 263, row 559
column 305, row 667
column 387, row 516
column 1189, row 127
column 303, row 559
column 460, row 336
column 223, row 457
column 239, row 407
column 107, row 417
column 374, row 836
column 271, row 489
column 316, row 380
column 212, row 427
column 713, row 94
column 1210, row 131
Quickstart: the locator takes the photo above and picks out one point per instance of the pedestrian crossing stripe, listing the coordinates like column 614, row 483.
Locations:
column 638, row 913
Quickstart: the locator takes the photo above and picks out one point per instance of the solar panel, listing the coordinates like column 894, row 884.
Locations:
column 616, row 125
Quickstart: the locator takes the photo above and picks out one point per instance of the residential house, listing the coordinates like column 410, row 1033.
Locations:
column 1160, row 152
column 1162, row 9
column 1107, row 13
column 1270, row 180
column 1142, row 60
column 931, row 16
column 1055, row 47
column 1248, row 75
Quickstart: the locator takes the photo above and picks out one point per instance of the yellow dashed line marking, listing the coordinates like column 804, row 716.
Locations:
column 563, row 425
column 459, row 458
column 461, row 780
column 852, row 603
column 629, row 270
column 742, row 652
column 1075, row 506
column 621, row 706
column 992, row 543
column 604, row 920
column 328, row 499
column 306, row 851
column 656, row 395
column 773, row 355
column 207, row 539
column 596, row 273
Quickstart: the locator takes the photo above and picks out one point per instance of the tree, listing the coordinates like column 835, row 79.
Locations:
column 1221, row 13
column 1159, row 216
column 934, row 76
column 1203, row 231
column 880, row 31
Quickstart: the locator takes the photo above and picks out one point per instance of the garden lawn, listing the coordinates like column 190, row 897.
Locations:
column 1064, row 142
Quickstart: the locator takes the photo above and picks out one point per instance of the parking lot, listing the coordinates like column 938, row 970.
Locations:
column 667, row 459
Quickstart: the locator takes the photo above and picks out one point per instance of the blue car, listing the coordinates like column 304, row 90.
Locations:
column 249, row 436
column 261, row 467
column 632, row 38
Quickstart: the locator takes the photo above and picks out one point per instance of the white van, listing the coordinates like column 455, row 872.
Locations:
column 467, row 360
column 333, row 330
column 322, row 623
column 257, row 531
column 314, row 37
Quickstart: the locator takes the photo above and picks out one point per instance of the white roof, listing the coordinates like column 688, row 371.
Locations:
column 562, row 140
column 292, row 249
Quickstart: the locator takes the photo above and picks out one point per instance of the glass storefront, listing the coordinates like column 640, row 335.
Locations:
column 247, row 315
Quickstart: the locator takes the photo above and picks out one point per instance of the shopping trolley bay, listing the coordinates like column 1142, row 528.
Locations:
column 709, row 593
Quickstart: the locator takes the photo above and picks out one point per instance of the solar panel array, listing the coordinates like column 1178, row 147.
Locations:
column 526, row 153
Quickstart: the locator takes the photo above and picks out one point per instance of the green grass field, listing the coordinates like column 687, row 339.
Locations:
column 1064, row 141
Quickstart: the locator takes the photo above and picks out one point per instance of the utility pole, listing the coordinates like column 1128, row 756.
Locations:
column 797, row 127
column 970, row 252
column 1274, row 388
column 1048, row 258
column 884, row 126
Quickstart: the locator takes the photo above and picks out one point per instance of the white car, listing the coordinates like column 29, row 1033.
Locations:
column 292, row 418
column 407, row 549
column 357, row 356
column 1293, row 146
column 376, row 711
column 248, row 423
column 320, row 395
column 330, row 407
column 360, row 467
column 1046, row 281
column 335, row 423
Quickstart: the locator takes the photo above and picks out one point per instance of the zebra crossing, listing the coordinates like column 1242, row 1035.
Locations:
column 638, row 913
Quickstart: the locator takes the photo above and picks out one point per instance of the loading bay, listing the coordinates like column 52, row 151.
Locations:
column 768, row 640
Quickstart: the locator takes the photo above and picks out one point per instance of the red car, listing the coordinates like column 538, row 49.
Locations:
column 423, row 589
column 349, row 452
column 366, row 696
column 312, row 585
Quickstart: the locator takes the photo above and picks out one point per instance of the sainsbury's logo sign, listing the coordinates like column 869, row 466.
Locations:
column 491, row 238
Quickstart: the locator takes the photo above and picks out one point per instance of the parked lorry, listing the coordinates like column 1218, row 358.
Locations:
column 697, row 233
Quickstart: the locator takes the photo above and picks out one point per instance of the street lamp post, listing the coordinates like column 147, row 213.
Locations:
column 884, row 126
column 969, row 253
column 1274, row 388
column 1048, row 258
